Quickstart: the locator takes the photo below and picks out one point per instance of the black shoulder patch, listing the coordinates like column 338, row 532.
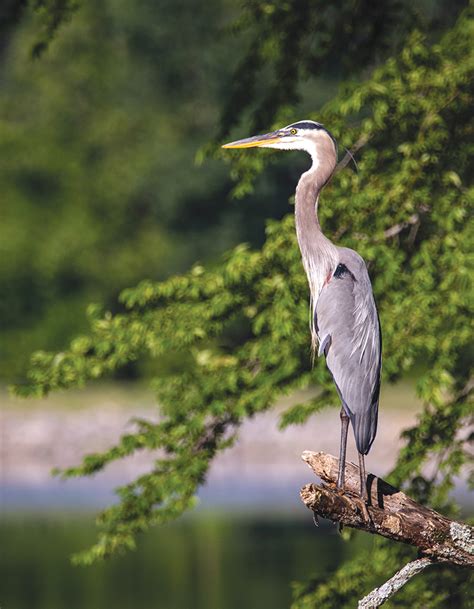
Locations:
column 341, row 271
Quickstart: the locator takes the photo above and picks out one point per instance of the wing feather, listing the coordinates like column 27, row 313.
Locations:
column 346, row 312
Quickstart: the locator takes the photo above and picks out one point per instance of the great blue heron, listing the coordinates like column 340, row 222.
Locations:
column 344, row 320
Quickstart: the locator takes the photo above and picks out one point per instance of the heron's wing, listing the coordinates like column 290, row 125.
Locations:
column 349, row 331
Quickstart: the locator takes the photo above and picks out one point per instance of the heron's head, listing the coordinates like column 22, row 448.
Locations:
column 307, row 135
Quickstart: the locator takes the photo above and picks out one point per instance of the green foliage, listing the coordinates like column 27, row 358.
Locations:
column 51, row 15
column 413, row 114
column 48, row 16
column 407, row 214
column 98, row 141
column 437, row 588
column 291, row 43
column 98, row 138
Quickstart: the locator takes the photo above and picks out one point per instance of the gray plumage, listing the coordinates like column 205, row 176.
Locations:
column 346, row 320
column 343, row 320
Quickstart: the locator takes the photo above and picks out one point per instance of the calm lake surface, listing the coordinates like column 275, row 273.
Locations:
column 208, row 561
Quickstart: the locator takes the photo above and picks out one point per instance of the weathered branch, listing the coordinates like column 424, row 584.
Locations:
column 378, row 596
column 397, row 228
column 413, row 221
column 389, row 513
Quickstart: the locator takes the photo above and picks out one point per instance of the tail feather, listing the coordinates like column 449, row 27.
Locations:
column 365, row 428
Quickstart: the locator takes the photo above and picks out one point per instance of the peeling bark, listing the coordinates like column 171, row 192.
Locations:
column 388, row 512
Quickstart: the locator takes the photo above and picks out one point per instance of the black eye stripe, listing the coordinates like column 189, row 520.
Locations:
column 307, row 125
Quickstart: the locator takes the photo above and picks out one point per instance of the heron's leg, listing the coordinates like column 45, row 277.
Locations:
column 363, row 478
column 342, row 449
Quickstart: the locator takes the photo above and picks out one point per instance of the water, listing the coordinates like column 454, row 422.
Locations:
column 210, row 561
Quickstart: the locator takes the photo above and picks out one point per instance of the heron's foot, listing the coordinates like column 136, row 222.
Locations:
column 361, row 503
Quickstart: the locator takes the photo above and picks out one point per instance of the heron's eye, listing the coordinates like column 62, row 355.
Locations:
column 293, row 131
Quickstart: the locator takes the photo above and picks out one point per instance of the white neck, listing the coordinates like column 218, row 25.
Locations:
column 319, row 254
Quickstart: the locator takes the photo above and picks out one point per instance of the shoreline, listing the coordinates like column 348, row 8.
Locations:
column 263, row 465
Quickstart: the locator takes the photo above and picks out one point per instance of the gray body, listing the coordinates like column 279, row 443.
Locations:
column 347, row 325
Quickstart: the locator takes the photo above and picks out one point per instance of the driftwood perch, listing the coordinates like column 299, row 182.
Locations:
column 389, row 513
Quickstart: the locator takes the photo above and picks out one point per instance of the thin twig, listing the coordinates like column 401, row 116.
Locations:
column 378, row 596
column 349, row 156
column 397, row 228
column 413, row 220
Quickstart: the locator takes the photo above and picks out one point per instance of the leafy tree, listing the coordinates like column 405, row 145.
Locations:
column 49, row 16
column 99, row 133
column 292, row 43
column 407, row 213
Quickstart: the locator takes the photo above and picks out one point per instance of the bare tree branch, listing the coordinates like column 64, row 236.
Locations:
column 389, row 513
column 397, row 228
column 413, row 221
column 378, row 596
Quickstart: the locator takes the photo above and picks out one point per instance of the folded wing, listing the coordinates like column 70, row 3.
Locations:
column 348, row 328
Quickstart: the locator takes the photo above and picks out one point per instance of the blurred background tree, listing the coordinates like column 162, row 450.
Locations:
column 98, row 195
column 88, row 209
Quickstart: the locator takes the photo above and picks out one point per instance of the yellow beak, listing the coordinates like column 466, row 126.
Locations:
column 255, row 141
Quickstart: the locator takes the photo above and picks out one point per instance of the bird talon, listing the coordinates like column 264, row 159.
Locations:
column 362, row 504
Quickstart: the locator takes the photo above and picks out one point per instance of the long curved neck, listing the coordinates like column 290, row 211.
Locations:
column 318, row 252
column 308, row 229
